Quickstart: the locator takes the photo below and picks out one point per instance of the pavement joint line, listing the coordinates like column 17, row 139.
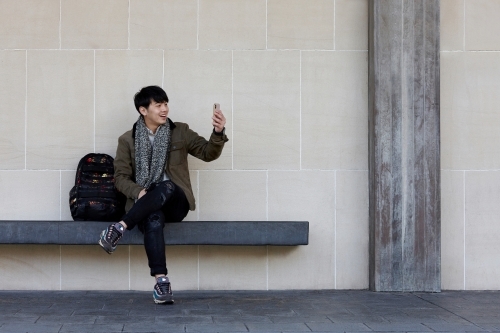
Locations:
column 439, row 306
column 423, row 324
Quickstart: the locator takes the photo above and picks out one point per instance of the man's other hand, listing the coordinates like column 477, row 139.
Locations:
column 218, row 121
column 141, row 194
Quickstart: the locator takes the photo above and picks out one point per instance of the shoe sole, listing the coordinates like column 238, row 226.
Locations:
column 104, row 247
column 157, row 301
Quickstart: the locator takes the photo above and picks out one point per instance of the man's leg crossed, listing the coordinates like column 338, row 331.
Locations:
column 152, row 201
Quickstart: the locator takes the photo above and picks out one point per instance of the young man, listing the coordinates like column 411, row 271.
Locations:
column 151, row 169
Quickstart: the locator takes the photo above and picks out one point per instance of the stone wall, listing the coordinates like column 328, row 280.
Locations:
column 291, row 77
column 470, row 153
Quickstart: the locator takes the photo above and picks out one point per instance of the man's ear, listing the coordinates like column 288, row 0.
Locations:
column 142, row 110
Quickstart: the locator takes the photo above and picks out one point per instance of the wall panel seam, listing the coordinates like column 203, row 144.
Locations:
column 198, row 268
column 60, row 267
column 208, row 49
column 94, row 97
column 300, row 110
column 60, row 24
column 463, row 40
column 334, row 25
column 26, row 113
column 298, row 49
column 404, row 199
column 232, row 109
column 128, row 27
column 33, row 170
column 335, row 231
column 60, row 195
column 267, row 267
column 198, row 194
column 14, row 170
column 465, row 225
column 129, row 275
column 198, row 26
column 266, row 24
column 267, row 195
column 260, row 170
column 472, row 170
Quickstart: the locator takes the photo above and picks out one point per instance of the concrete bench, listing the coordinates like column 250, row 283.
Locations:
column 184, row 233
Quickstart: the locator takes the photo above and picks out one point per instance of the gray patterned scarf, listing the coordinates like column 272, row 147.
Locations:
column 150, row 160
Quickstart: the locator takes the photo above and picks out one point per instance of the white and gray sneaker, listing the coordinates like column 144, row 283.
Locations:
column 110, row 237
column 162, row 292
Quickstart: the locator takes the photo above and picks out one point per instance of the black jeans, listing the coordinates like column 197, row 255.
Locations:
column 163, row 202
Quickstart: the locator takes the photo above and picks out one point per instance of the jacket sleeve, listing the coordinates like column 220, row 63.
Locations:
column 124, row 171
column 205, row 150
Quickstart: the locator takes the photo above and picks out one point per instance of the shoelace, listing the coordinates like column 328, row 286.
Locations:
column 113, row 235
column 163, row 288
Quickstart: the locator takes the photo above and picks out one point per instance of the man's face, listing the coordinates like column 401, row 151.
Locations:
column 155, row 114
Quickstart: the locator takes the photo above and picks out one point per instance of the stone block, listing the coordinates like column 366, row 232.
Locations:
column 301, row 194
column 482, row 28
column 266, row 110
column 119, row 76
column 29, row 24
column 351, row 24
column 452, row 25
column 482, row 190
column 233, row 268
column 351, row 233
column 94, row 24
column 228, row 24
column 30, row 267
column 194, row 81
column 37, row 198
column 86, row 267
column 13, row 110
column 60, row 115
column 157, row 24
column 452, row 229
column 334, row 110
column 300, row 24
column 232, row 195
column 469, row 117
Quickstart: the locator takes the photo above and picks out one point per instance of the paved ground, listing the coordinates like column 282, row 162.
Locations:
column 283, row 311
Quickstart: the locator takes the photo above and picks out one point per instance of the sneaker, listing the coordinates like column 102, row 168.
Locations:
column 162, row 292
column 110, row 237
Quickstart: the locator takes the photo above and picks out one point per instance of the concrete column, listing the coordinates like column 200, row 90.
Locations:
column 404, row 152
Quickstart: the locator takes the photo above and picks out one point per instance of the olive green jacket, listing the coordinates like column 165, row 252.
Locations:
column 184, row 141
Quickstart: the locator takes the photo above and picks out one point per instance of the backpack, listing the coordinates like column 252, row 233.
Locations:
column 94, row 196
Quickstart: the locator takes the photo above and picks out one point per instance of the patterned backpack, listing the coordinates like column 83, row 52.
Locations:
column 94, row 196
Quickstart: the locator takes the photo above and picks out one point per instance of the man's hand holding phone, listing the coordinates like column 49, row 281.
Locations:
column 218, row 119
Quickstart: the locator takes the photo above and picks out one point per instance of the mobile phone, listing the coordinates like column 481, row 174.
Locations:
column 216, row 107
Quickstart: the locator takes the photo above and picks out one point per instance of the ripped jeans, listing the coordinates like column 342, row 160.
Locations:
column 163, row 202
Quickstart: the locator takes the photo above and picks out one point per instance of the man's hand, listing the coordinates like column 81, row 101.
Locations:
column 141, row 194
column 218, row 121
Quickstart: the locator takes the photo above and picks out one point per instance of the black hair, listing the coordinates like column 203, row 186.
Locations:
column 147, row 95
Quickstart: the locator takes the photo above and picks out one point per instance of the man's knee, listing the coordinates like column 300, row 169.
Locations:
column 154, row 222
